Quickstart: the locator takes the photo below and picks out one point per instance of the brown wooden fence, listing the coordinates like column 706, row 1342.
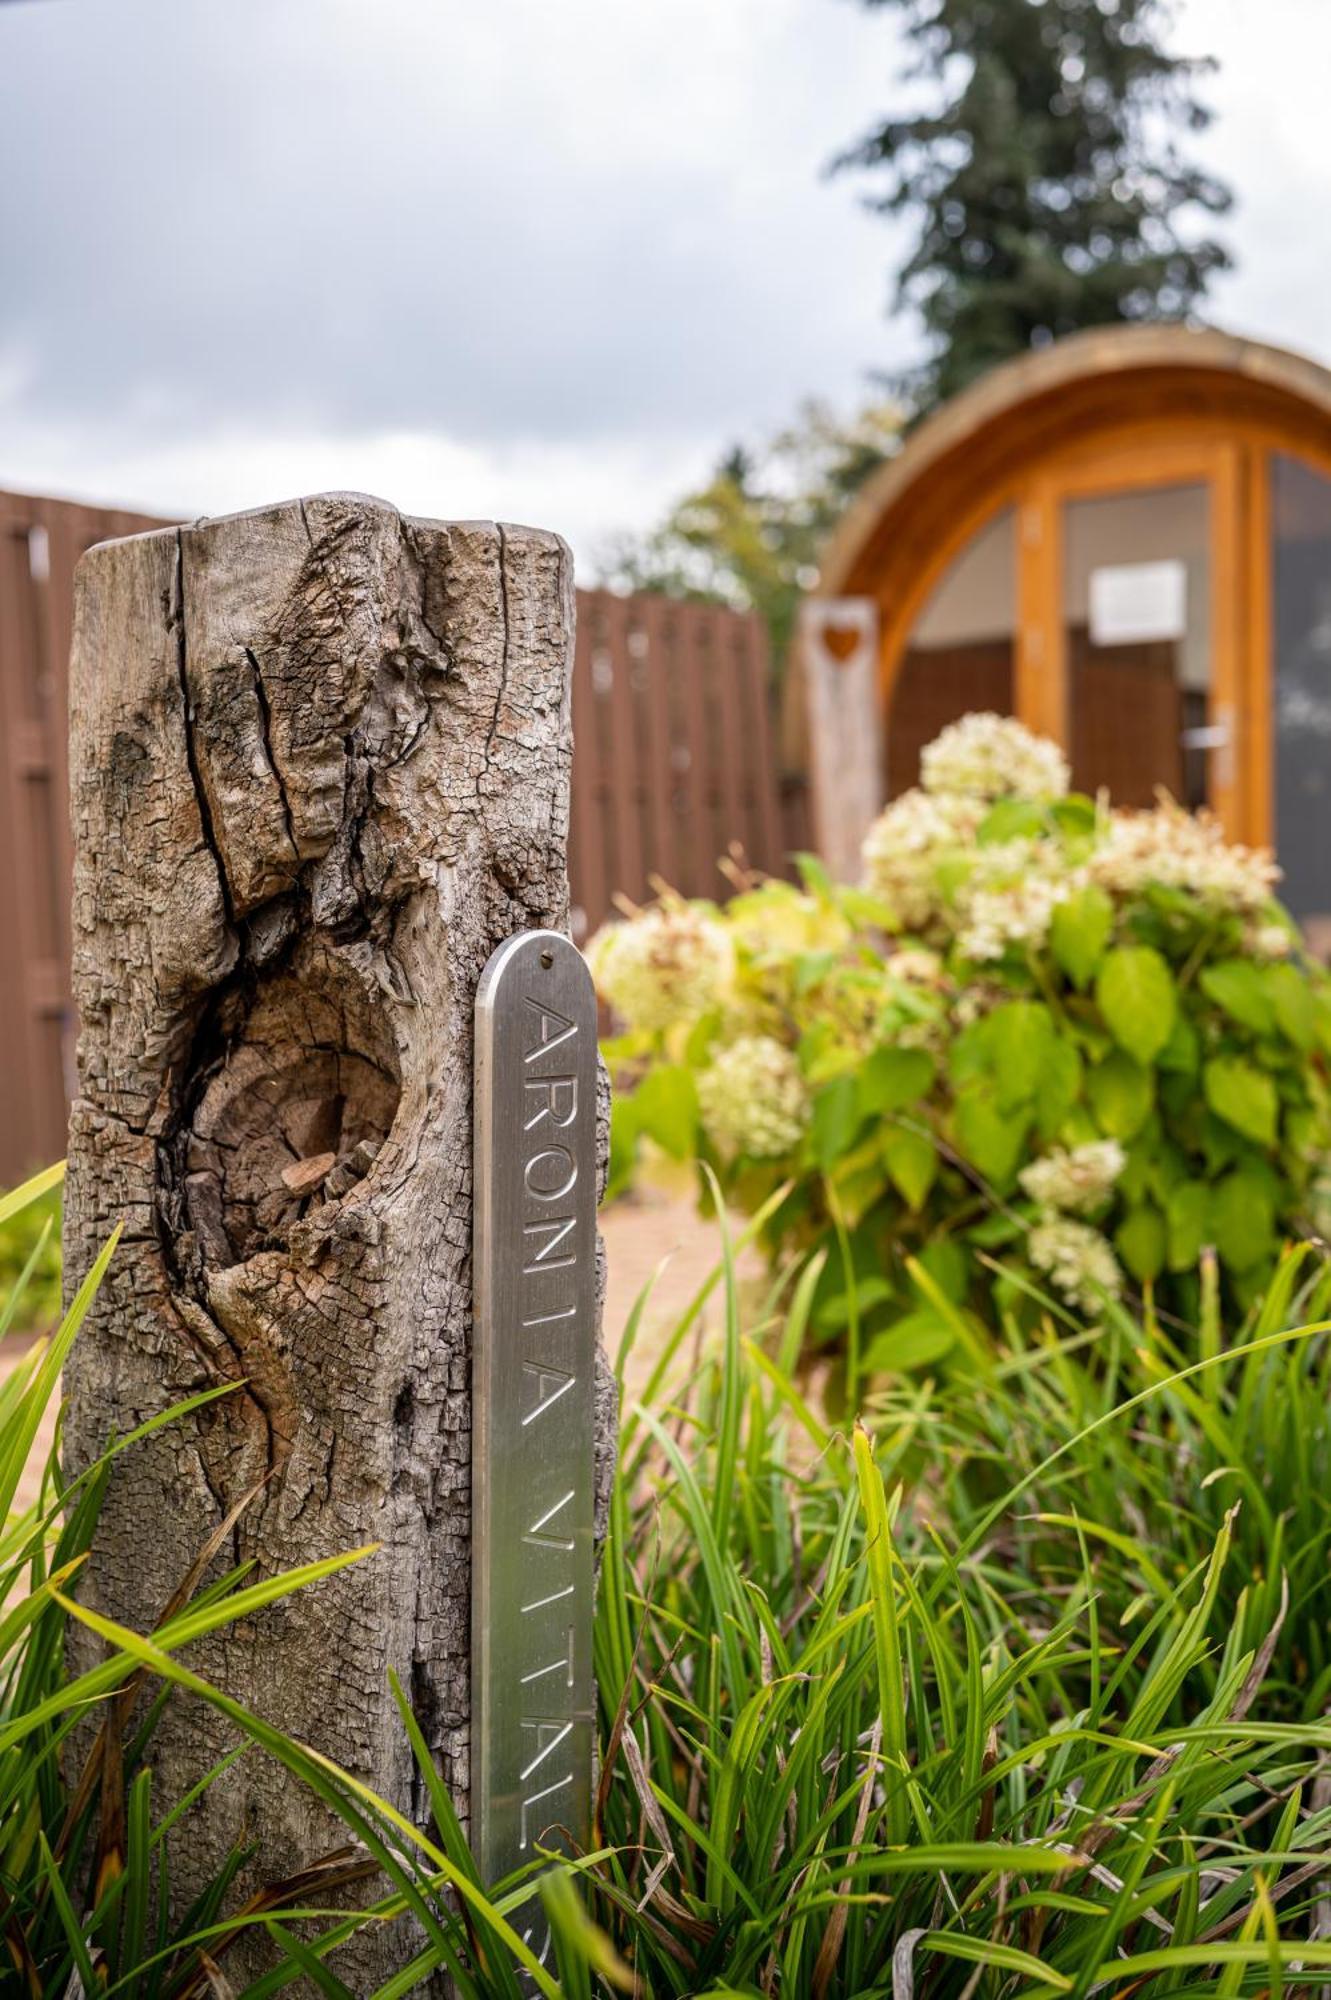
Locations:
column 674, row 766
column 40, row 542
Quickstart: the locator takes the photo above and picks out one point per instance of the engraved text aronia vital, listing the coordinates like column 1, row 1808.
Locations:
column 532, row 1405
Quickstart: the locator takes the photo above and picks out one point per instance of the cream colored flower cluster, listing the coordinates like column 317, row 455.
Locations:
column 903, row 848
column 916, row 965
column 987, row 756
column 920, row 856
column 1172, row 848
column 1009, row 897
column 669, row 963
column 1075, row 1180
column 1077, row 1259
column 752, row 1098
column 922, row 860
column 1269, row 940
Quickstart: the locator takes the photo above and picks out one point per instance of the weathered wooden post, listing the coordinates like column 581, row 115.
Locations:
column 319, row 771
column 839, row 656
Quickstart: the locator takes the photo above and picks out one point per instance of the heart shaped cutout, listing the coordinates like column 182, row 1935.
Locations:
column 841, row 641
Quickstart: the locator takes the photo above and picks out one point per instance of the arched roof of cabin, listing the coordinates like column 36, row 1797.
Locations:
column 1086, row 384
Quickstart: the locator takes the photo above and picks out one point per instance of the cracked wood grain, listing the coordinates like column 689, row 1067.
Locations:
column 319, row 769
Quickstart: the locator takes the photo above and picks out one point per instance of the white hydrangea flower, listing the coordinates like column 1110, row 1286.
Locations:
column 1268, row 940
column 987, row 756
column 668, row 964
column 997, row 918
column 1078, row 1260
column 975, row 999
column 916, row 965
column 903, row 847
column 752, row 1098
column 1074, row 1181
column 1176, row 849
column 1010, row 897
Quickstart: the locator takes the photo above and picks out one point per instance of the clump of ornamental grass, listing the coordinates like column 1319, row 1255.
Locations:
column 1087, row 1038
column 858, row 1745
column 895, row 1713
column 30, row 1285
column 1225, row 1426
column 86, row 1840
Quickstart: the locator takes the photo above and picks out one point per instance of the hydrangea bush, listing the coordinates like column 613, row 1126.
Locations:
column 1076, row 1042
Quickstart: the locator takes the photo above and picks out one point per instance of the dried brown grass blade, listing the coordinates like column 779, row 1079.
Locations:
column 834, row 1936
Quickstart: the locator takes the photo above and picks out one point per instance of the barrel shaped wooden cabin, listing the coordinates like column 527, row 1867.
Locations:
column 1125, row 540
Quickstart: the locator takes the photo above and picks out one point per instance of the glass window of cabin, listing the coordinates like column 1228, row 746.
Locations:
column 1301, row 649
column 1137, row 617
column 961, row 649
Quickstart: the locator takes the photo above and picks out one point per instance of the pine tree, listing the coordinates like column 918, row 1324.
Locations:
column 1051, row 189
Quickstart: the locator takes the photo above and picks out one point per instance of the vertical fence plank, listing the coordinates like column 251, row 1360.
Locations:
column 735, row 824
column 17, row 1096
column 587, row 846
column 660, row 748
column 628, row 860
column 754, row 676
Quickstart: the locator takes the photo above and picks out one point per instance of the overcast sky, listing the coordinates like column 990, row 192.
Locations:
column 535, row 258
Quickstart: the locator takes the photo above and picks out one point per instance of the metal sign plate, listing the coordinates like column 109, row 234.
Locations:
column 534, row 1347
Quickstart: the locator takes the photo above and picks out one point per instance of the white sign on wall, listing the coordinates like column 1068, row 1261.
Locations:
column 1134, row 603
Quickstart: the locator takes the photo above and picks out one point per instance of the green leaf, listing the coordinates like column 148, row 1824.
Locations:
column 911, row 1159
column 894, row 1078
column 989, row 1136
column 320, row 1976
column 812, row 968
column 835, row 1120
column 1141, row 1243
column 814, row 876
column 878, row 1556
column 1011, row 819
column 1059, row 1086
column 1243, row 1096
column 860, row 1179
column 1237, row 987
column 1181, row 1054
column 1293, row 1003
column 914, row 1341
column 1079, row 932
column 1243, row 1219
column 32, row 1190
column 623, row 1145
column 947, row 1267
column 1075, row 815
column 665, row 1107
column 1136, row 995
column 862, row 908
column 1019, row 1036
column 834, row 1312
column 1121, row 1094
column 1188, row 1218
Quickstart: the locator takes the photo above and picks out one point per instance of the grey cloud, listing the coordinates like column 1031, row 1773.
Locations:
column 411, row 213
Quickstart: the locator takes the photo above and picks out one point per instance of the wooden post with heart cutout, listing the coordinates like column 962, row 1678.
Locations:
column 839, row 638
